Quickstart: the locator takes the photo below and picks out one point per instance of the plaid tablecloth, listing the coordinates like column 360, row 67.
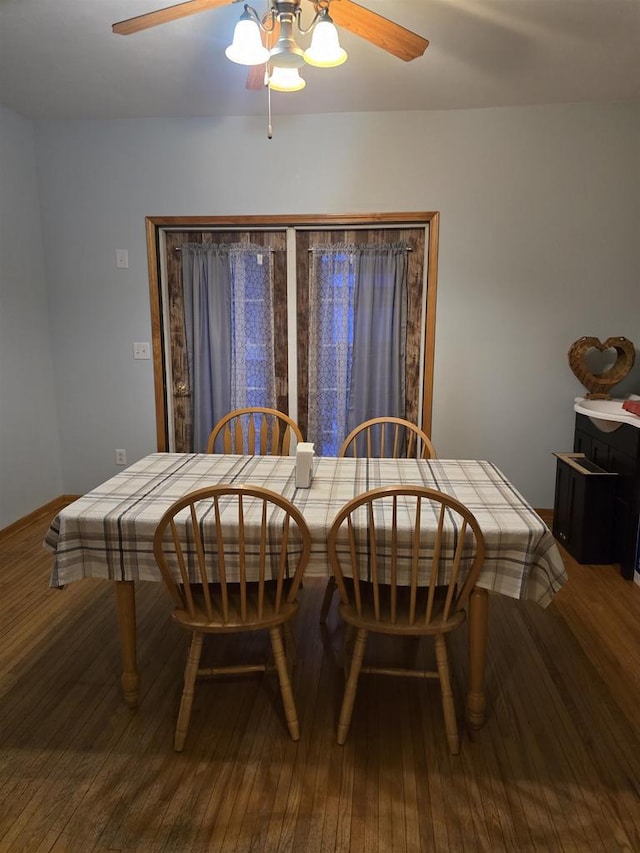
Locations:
column 109, row 532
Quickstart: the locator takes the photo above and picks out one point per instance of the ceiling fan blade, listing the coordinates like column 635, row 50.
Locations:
column 255, row 77
column 378, row 30
column 163, row 16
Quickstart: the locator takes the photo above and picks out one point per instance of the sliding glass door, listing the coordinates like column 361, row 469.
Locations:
column 330, row 321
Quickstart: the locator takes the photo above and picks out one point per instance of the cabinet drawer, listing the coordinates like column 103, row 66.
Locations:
column 619, row 452
column 584, row 507
column 625, row 439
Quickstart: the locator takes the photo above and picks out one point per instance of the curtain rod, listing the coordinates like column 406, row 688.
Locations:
column 310, row 249
column 365, row 246
column 262, row 248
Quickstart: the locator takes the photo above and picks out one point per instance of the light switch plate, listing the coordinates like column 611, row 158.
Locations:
column 122, row 259
column 141, row 350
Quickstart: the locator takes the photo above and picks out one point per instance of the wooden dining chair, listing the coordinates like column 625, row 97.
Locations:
column 396, row 578
column 385, row 437
column 232, row 558
column 389, row 437
column 255, row 430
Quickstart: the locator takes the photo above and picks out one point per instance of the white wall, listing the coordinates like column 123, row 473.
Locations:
column 540, row 220
column 30, row 472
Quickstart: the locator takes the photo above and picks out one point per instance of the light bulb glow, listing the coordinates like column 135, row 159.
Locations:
column 286, row 80
column 246, row 47
column 325, row 50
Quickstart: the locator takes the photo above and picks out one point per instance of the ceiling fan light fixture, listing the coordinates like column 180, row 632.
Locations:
column 286, row 80
column 324, row 50
column 286, row 53
column 246, row 47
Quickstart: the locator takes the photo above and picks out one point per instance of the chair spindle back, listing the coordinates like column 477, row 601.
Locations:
column 254, row 431
column 430, row 550
column 388, row 437
column 203, row 549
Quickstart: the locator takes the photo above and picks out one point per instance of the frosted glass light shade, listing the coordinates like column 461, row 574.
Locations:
column 246, row 47
column 286, row 80
column 324, row 50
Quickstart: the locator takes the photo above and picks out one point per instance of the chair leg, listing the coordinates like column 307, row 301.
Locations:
column 351, row 685
column 190, row 674
column 448, row 706
column 326, row 601
column 290, row 644
column 347, row 648
column 285, row 685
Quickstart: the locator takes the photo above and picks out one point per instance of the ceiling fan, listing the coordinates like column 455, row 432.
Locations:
column 276, row 27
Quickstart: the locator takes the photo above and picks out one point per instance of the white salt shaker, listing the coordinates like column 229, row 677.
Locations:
column 304, row 464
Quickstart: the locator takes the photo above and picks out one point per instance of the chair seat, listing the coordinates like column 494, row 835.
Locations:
column 381, row 437
column 260, row 593
column 402, row 625
column 443, row 555
column 234, row 622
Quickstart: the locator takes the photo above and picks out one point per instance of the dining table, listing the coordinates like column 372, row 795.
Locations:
column 108, row 533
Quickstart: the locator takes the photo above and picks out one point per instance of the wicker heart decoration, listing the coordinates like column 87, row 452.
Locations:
column 599, row 384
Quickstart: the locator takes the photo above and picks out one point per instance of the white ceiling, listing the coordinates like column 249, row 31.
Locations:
column 59, row 59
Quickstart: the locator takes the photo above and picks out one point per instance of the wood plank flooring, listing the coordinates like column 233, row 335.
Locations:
column 555, row 768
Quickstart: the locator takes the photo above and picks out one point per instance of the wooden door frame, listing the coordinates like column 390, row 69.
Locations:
column 155, row 224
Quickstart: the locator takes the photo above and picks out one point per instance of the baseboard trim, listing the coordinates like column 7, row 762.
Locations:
column 49, row 508
column 546, row 515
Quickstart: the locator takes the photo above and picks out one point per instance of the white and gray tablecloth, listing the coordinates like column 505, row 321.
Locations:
column 108, row 533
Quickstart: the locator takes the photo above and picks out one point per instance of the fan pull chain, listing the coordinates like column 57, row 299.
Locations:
column 266, row 81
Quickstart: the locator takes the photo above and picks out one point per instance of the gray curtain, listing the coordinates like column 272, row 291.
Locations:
column 206, row 281
column 330, row 340
column 357, row 338
column 228, row 313
column 377, row 385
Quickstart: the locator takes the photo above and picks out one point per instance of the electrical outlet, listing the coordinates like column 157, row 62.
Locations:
column 121, row 457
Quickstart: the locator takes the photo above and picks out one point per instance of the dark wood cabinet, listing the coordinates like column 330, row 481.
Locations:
column 583, row 515
column 617, row 452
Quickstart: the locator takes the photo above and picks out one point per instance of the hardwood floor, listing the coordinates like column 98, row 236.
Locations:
column 555, row 768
